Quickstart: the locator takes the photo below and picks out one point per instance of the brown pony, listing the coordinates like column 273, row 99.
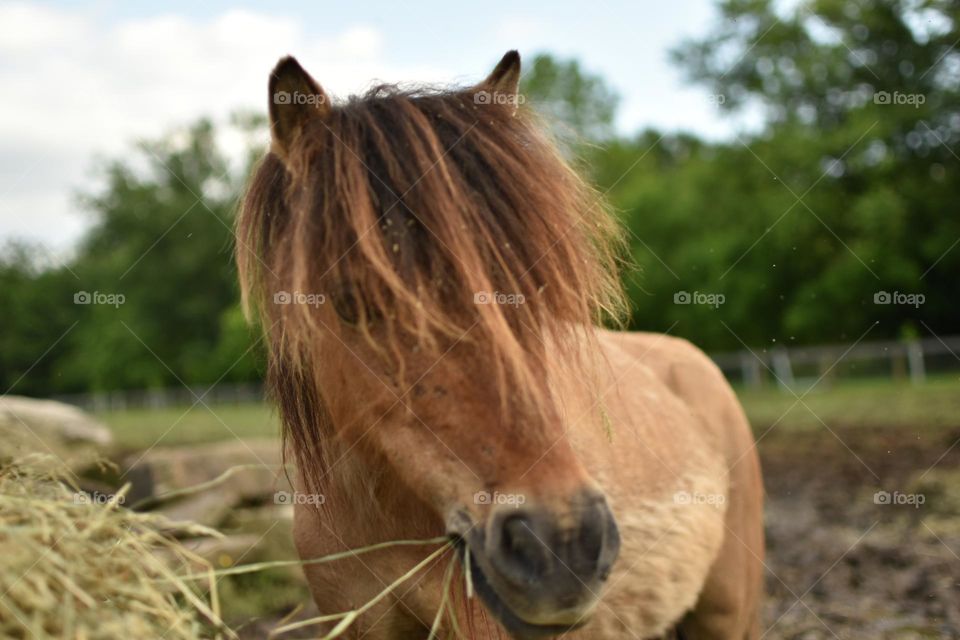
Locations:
column 431, row 277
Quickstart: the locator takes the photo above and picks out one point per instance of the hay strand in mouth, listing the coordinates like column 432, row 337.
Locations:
column 341, row 555
column 468, row 574
column 444, row 597
column 346, row 618
column 447, row 603
column 349, row 617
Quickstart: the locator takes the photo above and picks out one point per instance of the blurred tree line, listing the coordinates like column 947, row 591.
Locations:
column 850, row 187
column 162, row 238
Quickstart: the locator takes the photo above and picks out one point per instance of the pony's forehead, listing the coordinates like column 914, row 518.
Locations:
column 447, row 103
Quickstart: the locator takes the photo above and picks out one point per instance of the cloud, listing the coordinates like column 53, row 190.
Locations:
column 77, row 87
column 79, row 84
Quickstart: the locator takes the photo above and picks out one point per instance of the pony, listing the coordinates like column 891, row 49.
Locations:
column 432, row 280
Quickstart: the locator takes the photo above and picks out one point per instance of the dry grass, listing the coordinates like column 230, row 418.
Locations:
column 75, row 568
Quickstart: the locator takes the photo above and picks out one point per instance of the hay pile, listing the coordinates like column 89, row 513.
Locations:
column 76, row 567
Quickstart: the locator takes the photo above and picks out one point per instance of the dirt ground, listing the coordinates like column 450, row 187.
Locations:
column 845, row 562
column 842, row 563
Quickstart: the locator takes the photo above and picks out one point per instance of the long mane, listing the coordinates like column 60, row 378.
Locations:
column 403, row 209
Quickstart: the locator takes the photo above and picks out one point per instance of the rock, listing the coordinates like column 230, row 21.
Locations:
column 256, row 476
column 208, row 508
column 51, row 421
column 52, row 428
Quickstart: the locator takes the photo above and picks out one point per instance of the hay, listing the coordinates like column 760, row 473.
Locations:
column 347, row 618
column 75, row 568
column 445, row 600
column 340, row 555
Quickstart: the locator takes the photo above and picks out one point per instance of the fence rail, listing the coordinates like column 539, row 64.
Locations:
column 787, row 367
column 791, row 367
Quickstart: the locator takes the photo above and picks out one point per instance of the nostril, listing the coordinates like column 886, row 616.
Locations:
column 596, row 542
column 522, row 554
column 591, row 539
column 527, row 546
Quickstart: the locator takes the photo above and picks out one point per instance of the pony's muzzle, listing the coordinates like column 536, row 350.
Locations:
column 548, row 567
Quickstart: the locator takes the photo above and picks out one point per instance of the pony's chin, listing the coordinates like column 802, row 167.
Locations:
column 518, row 628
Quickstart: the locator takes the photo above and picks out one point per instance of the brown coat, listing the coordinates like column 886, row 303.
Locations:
column 676, row 459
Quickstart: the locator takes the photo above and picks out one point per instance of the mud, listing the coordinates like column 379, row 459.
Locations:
column 845, row 561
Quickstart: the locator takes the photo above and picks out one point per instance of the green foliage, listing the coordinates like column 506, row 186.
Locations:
column 849, row 188
column 161, row 246
column 162, row 238
column 36, row 320
column 578, row 104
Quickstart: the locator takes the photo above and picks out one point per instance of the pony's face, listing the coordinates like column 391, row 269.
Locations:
column 429, row 246
column 503, row 480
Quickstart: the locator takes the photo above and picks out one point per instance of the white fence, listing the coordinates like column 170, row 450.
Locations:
column 794, row 367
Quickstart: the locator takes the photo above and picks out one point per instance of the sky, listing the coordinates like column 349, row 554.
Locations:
column 82, row 82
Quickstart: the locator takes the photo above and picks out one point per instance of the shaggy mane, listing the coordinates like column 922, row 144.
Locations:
column 403, row 208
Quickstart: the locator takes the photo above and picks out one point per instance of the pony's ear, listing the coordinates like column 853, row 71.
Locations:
column 503, row 83
column 295, row 100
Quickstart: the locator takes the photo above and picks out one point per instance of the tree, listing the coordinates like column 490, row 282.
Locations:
column 580, row 105
column 36, row 322
column 849, row 190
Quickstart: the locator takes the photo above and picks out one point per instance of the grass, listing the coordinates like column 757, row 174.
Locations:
column 248, row 597
column 72, row 568
column 141, row 428
column 870, row 402
column 874, row 402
